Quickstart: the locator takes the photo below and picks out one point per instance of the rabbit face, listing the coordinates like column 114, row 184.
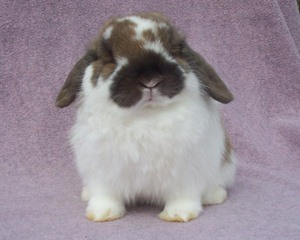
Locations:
column 145, row 61
column 149, row 75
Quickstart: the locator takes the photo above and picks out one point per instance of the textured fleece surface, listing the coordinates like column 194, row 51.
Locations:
column 253, row 45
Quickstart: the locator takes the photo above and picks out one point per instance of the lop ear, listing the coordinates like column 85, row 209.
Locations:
column 73, row 82
column 213, row 84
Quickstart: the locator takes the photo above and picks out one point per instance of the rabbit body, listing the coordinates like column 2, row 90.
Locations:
column 164, row 147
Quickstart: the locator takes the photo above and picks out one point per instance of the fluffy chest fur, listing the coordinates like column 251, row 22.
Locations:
column 144, row 152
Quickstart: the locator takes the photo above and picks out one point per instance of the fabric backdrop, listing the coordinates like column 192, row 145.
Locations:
column 253, row 45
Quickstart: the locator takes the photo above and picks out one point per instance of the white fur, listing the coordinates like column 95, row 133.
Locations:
column 161, row 153
column 107, row 32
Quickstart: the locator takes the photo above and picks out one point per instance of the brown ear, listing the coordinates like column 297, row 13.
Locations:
column 213, row 84
column 73, row 82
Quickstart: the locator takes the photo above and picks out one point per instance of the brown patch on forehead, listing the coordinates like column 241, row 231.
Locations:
column 123, row 43
column 122, row 40
column 149, row 35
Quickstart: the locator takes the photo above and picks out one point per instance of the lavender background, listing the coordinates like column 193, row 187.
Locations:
column 254, row 46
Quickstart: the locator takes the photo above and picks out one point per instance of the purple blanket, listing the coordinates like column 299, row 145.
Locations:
column 254, row 46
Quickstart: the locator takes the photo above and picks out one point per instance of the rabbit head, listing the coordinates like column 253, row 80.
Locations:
column 145, row 59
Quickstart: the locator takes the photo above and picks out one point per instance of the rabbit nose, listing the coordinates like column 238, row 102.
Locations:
column 152, row 84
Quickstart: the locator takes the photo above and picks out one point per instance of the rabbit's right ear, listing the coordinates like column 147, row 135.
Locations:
column 73, row 82
column 212, row 83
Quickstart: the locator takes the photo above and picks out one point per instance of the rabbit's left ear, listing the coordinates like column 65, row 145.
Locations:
column 73, row 82
column 213, row 84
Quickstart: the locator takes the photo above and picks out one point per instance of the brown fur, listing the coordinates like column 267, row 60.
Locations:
column 121, row 43
column 213, row 84
column 122, row 40
column 98, row 69
column 72, row 84
column 149, row 35
column 108, row 69
column 183, row 63
column 227, row 152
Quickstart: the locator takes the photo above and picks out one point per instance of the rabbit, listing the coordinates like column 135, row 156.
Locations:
column 148, row 126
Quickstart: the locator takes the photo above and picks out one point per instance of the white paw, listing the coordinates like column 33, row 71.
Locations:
column 85, row 195
column 214, row 196
column 181, row 211
column 102, row 210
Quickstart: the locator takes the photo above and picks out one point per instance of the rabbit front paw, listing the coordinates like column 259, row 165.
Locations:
column 181, row 211
column 102, row 210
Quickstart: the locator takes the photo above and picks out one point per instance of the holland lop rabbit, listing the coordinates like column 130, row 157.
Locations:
column 148, row 126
